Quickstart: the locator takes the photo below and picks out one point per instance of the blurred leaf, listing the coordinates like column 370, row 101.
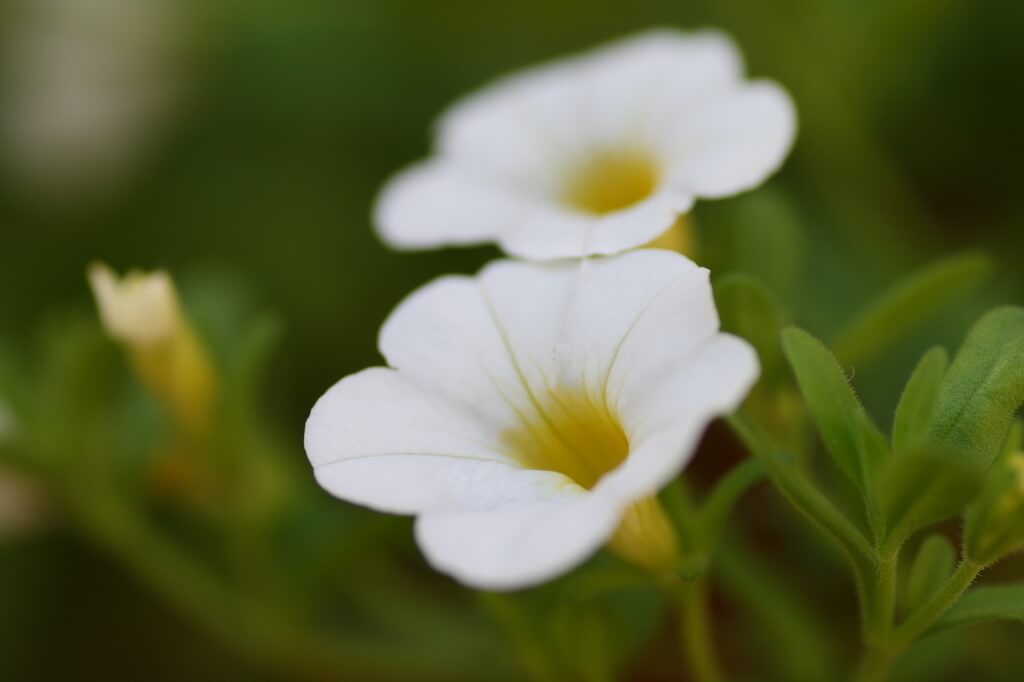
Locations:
column 855, row 443
column 748, row 309
column 785, row 610
column 932, row 567
column 920, row 398
column 909, row 303
column 757, row 234
column 984, row 604
column 915, row 490
column 983, row 389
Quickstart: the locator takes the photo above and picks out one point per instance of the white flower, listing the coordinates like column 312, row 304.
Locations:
column 529, row 410
column 138, row 308
column 89, row 86
column 593, row 154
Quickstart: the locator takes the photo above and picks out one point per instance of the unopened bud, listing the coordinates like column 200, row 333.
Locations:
column 141, row 310
column 995, row 523
column 646, row 537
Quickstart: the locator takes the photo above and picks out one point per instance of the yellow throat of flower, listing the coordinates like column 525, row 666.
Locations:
column 577, row 435
column 611, row 181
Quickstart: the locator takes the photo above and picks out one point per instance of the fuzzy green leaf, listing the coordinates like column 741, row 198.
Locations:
column 909, row 303
column 932, row 567
column 854, row 442
column 920, row 398
column 984, row 604
column 916, row 490
column 983, row 389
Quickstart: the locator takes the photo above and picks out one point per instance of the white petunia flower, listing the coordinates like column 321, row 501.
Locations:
column 593, row 154
column 530, row 413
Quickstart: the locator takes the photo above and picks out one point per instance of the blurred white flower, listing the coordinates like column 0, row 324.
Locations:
column 530, row 413
column 87, row 85
column 593, row 154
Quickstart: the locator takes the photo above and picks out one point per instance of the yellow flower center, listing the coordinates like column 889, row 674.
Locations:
column 610, row 181
column 571, row 433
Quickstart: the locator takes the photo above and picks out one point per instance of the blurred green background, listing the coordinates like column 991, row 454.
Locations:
column 242, row 151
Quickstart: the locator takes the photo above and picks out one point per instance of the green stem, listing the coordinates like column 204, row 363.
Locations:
column 696, row 631
column 883, row 600
column 534, row 655
column 882, row 653
column 876, row 665
column 932, row 610
column 797, row 489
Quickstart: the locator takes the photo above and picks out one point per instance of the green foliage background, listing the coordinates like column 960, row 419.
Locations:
column 909, row 149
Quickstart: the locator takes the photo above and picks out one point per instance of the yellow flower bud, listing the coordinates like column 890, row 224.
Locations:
column 995, row 523
column 646, row 536
column 681, row 238
column 141, row 311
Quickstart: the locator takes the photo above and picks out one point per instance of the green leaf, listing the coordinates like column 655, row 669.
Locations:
column 932, row 567
column 909, row 303
column 854, row 442
column 983, row 389
column 766, row 239
column 748, row 310
column 984, row 604
column 916, row 490
column 920, row 398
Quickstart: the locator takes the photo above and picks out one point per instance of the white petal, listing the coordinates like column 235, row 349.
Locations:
column 564, row 235
column 436, row 204
column 521, row 329
column 666, row 406
column 519, row 546
column 731, row 142
column 533, row 125
column 424, row 483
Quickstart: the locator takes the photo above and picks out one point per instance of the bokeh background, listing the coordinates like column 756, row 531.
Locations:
column 240, row 144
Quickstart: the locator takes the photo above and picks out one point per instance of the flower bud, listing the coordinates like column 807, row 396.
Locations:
column 141, row 311
column 646, row 537
column 995, row 523
column 680, row 238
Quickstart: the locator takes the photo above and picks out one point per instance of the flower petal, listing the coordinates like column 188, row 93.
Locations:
column 731, row 142
column 521, row 329
column 666, row 406
column 563, row 234
column 515, row 547
column 435, row 204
